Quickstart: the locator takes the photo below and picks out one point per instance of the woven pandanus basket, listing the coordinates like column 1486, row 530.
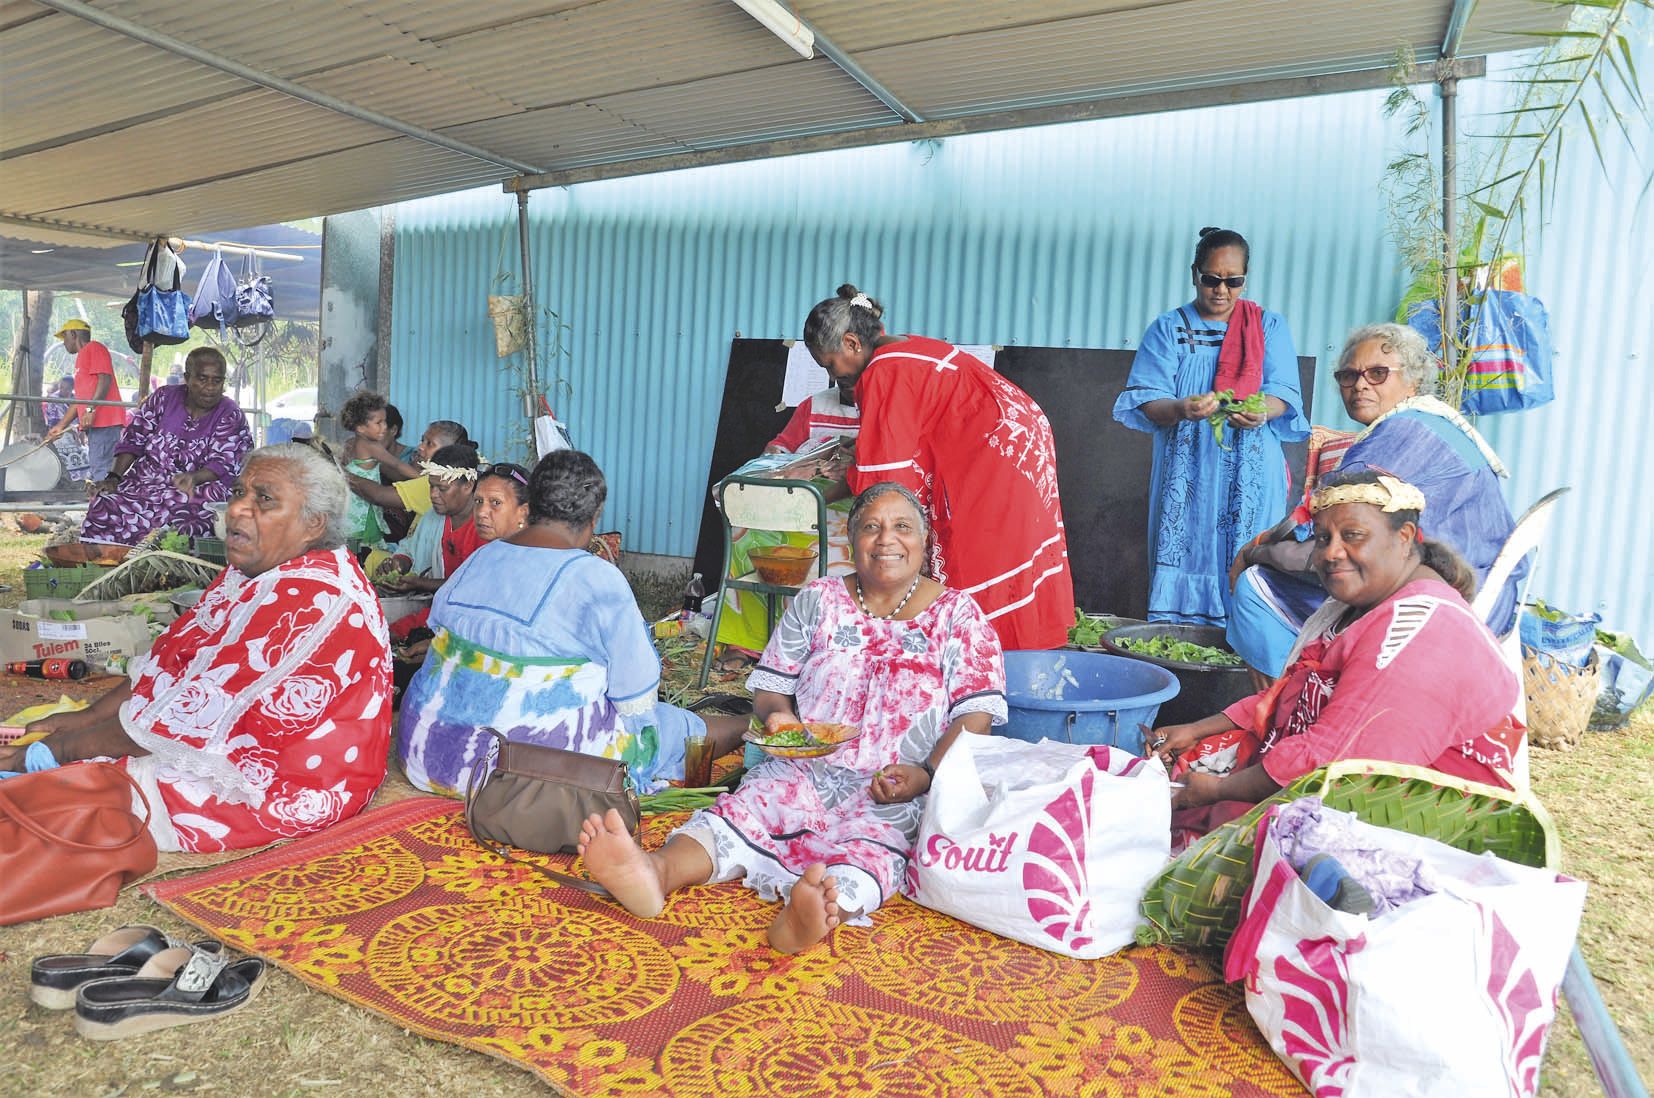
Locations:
column 1196, row 900
column 1560, row 698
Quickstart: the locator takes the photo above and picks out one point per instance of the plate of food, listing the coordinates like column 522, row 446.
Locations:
column 809, row 740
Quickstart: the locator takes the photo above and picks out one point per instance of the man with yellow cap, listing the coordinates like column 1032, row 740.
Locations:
column 94, row 380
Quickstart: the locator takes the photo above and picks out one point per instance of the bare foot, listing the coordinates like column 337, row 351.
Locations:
column 620, row 865
column 811, row 911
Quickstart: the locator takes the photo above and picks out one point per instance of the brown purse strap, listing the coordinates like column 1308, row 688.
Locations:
column 555, row 877
column 22, row 818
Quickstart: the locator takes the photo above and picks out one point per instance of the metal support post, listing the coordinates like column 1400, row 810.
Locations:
column 531, row 315
column 1450, row 198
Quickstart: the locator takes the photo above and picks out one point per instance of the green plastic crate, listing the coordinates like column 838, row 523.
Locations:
column 211, row 549
column 59, row 583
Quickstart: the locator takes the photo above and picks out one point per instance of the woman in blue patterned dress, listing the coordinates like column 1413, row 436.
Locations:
column 1207, row 499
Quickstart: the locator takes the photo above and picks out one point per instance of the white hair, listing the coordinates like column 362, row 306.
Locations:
column 320, row 480
column 1418, row 365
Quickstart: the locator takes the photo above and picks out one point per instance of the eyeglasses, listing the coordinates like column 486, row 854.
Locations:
column 506, row 469
column 1212, row 282
column 1372, row 375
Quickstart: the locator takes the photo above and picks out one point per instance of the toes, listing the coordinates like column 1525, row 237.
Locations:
column 614, row 822
column 813, row 874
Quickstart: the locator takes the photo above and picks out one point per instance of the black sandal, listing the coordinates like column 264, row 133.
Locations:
column 176, row 987
column 54, row 977
column 725, row 703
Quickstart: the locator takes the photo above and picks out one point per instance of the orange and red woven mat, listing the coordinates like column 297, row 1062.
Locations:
column 400, row 912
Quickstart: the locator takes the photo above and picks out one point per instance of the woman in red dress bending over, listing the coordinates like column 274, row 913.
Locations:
column 976, row 449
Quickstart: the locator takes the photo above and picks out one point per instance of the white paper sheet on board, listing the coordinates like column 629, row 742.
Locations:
column 804, row 377
column 981, row 351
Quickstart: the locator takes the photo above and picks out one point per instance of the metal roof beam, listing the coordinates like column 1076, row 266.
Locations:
column 183, row 49
column 78, row 228
column 1256, row 91
column 1458, row 17
column 854, row 71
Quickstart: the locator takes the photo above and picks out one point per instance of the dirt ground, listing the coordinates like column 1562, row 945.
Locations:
column 298, row 1042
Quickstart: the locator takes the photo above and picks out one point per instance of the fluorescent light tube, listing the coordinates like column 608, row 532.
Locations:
column 784, row 24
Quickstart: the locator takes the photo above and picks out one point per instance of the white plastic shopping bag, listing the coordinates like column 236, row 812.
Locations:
column 1450, row 994
column 1048, row 843
column 549, row 432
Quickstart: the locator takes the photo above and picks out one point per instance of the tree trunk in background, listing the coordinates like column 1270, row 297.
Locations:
column 28, row 357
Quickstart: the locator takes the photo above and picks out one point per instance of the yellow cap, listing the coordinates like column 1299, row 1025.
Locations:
column 73, row 326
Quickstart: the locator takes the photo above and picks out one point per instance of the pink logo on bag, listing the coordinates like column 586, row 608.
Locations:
column 1054, row 874
column 1514, row 990
column 1315, row 1002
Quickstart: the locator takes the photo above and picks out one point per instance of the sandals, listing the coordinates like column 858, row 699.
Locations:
column 175, row 987
column 54, row 978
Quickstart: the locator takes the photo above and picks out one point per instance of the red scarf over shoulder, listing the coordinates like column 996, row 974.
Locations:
column 1240, row 359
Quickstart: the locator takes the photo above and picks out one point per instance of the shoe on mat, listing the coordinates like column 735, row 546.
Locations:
column 177, row 986
column 54, row 977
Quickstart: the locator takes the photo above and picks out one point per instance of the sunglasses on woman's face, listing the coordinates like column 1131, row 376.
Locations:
column 1372, row 375
column 1212, row 282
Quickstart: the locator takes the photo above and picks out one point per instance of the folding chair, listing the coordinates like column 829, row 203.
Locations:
column 754, row 503
column 1524, row 539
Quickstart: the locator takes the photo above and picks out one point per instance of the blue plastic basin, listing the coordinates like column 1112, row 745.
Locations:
column 1083, row 697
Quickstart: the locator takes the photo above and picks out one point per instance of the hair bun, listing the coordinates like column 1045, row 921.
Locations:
column 1210, row 229
column 847, row 291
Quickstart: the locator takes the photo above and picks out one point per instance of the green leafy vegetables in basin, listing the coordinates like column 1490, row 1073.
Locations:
column 1086, row 631
column 1167, row 648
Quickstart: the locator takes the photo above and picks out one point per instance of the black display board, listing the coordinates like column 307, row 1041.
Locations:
column 1102, row 467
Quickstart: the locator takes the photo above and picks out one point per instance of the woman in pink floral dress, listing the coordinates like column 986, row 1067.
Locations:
column 911, row 664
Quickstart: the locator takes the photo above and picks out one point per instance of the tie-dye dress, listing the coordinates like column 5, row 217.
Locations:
column 545, row 646
column 902, row 683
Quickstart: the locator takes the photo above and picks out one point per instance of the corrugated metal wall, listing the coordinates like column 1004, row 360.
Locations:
column 1063, row 236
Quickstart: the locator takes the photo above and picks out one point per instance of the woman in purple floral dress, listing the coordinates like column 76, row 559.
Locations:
column 911, row 664
column 182, row 449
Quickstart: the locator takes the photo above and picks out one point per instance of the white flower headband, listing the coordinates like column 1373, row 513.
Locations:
column 446, row 472
column 1388, row 495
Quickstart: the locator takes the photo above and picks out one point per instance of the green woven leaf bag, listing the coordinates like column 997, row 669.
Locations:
column 1196, row 899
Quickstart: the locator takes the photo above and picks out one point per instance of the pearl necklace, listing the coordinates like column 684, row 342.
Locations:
column 912, row 587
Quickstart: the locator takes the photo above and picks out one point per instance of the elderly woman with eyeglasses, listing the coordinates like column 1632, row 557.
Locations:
column 1386, row 376
column 1208, row 498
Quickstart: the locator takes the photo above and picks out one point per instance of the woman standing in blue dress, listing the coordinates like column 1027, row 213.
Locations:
column 1207, row 499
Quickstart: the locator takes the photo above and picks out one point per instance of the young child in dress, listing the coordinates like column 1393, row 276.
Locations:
column 364, row 417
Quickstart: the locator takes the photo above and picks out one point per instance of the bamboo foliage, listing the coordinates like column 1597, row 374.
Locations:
column 1583, row 81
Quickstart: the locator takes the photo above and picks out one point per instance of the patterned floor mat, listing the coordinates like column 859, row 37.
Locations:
column 400, row 912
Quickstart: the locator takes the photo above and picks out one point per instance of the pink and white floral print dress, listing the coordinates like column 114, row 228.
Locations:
column 902, row 683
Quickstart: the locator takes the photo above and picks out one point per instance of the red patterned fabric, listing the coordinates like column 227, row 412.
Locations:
column 979, row 454
column 265, row 709
column 1376, row 691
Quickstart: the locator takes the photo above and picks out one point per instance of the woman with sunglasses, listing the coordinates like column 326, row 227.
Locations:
column 1386, row 376
column 1207, row 498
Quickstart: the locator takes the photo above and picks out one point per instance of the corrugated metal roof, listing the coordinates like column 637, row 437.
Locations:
column 564, row 84
column 1071, row 235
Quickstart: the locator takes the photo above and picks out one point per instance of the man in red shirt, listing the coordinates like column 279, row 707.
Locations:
column 94, row 380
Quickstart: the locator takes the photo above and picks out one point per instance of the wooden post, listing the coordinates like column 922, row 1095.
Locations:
column 143, row 372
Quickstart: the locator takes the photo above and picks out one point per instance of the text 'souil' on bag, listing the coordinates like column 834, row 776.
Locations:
column 1049, row 843
column 1450, row 993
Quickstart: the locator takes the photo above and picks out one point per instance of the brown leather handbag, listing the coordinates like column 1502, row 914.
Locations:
column 69, row 840
column 536, row 798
